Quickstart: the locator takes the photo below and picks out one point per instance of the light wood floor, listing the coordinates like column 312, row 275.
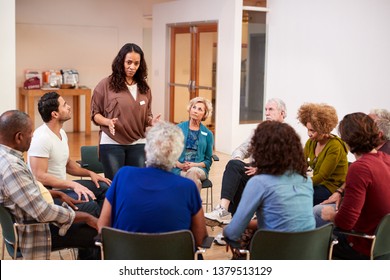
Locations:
column 76, row 140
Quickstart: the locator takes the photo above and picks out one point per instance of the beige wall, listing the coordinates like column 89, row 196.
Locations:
column 227, row 13
column 319, row 53
column 316, row 52
column 84, row 35
column 7, row 55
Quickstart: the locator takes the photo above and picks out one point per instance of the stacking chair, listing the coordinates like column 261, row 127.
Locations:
column 117, row 244
column 316, row 244
column 10, row 235
column 208, row 186
column 90, row 159
column 380, row 247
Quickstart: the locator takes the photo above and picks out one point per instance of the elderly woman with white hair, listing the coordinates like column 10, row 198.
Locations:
column 195, row 160
column 153, row 199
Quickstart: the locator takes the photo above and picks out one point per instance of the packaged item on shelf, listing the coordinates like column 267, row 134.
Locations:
column 70, row 77
column 32, row 83
column 52, row 79
column 33, row 74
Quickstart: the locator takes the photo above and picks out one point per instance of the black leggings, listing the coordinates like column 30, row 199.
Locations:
column 113, row 157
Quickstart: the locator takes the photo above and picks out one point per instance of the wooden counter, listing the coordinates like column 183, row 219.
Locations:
column 27, row 96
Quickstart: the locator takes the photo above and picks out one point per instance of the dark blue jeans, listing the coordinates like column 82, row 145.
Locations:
column 92, row 207
column 321, row 193
column 113, row 157
column 100, row 193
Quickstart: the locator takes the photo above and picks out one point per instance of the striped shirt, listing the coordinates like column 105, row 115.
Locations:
column 19, row 193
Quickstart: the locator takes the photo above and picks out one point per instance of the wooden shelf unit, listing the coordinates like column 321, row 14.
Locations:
column 27, row 96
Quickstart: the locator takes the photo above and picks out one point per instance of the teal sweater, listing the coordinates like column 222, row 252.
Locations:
column 205, row 146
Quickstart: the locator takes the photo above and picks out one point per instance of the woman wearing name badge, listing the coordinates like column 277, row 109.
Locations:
column 195, row 160
column 121, row 106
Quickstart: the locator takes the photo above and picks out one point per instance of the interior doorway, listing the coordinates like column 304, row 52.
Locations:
column 193, row 60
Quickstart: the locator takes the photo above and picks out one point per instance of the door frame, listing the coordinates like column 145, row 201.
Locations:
column 193, row 85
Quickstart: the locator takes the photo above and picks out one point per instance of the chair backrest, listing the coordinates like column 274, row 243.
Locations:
column 90, row 159
column 124, row 245
column 7, row 225
column 305, row 245
column 381, row 247
column 9, row 234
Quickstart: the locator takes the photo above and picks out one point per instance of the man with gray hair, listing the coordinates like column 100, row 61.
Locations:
column 382, row 119
column 237, row 172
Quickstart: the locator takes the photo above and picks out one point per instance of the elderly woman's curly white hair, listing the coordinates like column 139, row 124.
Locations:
column 164, row 144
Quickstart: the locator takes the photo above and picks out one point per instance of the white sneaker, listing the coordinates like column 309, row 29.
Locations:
column 219, row 240
column 219, row 214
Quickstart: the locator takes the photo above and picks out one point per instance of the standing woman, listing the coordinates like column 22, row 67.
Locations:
column 326, row 153
column 121, row 106
column 195, row 160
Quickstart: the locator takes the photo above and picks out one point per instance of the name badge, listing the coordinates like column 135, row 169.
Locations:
column 204, row 133
column 142, row 103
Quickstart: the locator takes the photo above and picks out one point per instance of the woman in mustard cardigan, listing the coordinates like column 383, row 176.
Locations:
column 326, row 153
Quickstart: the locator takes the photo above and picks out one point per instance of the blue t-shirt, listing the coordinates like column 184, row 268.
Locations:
column 152, row 200
column 282, row 203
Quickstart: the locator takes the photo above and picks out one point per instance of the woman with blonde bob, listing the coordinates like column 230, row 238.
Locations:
column 195, row 159
column 325, row 152
column 153, row 199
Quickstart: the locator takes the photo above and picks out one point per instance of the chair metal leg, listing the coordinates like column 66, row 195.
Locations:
column 332, row 243
column 211, row 202
column 207, row 199
column 2, row 249
column 100, row 244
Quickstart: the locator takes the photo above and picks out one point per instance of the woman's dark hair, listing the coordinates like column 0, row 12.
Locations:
column 276, row 148
column 118, row 76
column 360, row 132
column 47, row 104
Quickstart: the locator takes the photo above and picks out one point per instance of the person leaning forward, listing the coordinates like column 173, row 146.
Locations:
column 20, row 194
column 48, row 157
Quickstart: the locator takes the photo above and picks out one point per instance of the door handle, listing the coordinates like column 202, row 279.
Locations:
column 191, row 85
